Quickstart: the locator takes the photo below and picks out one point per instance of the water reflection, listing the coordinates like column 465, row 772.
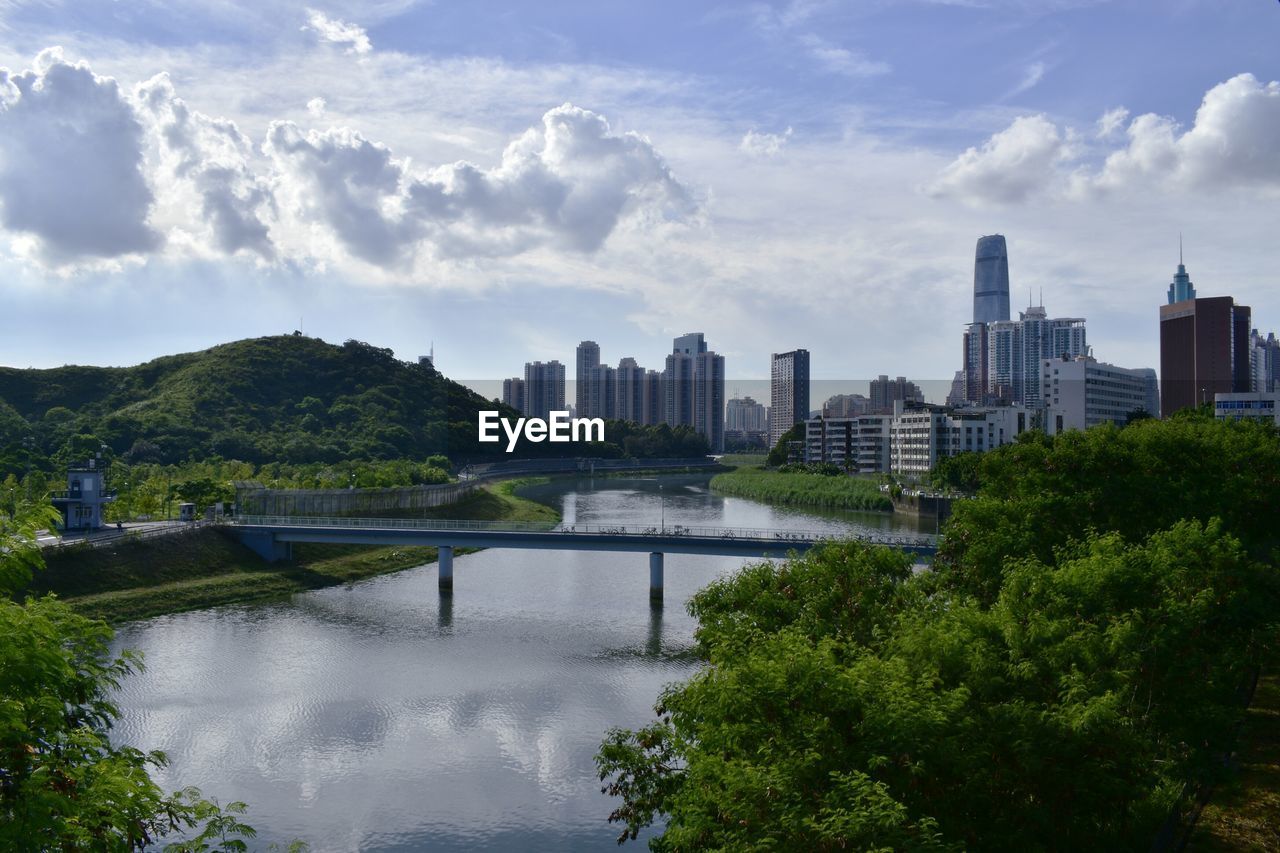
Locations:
column 382, row 716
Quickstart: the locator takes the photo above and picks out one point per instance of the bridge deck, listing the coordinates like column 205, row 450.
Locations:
column 677, row 539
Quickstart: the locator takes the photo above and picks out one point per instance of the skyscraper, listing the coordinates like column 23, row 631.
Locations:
column 588, row 358
column 708, row 413
column 1204, row 350
column 544, row 388
column 991, row 280
column 1016, row 349
column 513, row 393
column 693, row 385
column 885, row 392
column 629, row 391
column 788, row 392
column 1181, row 289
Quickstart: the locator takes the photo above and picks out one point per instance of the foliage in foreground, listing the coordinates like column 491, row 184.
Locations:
column 844, row 707
column 63, row 785
column 1069, row 668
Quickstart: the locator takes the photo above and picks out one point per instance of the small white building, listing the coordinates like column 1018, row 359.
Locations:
column 86, row 495
column 1254, row 405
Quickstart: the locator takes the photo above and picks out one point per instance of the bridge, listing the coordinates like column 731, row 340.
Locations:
column 272, row 537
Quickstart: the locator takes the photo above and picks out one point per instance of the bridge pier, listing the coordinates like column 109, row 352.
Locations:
column 655, row 577
column 444, row 565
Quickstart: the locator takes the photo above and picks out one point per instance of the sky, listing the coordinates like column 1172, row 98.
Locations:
column 503, row 180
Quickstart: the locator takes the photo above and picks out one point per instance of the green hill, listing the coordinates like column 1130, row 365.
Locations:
column 288, row 398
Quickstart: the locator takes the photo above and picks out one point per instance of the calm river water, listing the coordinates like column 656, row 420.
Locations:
column 376, row 716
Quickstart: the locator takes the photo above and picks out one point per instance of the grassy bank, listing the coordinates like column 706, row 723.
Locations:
column 802, row 489
column 206, row 568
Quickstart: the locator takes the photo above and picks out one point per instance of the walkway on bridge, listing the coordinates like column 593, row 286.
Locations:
column 272, row 537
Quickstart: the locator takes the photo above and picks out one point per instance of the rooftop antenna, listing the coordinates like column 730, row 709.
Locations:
column 1179, row 248
column 1042, row 296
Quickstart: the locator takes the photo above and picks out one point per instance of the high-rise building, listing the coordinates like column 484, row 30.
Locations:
column 743, row 414
column 1181, row 289
column 513, row 393
column 708, row 418
column 885, row 392
column 1264, row 361
column 845, row 406
column 788, row 392
column 991, row 280
column 653, row 398
column 544, row 388
column 1016, row 348
column 693, row 386
column 629, row 391
column 588, row 358
column 1204, row 349
column 602, row 388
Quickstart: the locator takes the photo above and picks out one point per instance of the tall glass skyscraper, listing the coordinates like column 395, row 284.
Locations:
column 991, row 280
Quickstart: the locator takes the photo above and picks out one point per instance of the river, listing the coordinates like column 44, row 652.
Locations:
column 377, row 716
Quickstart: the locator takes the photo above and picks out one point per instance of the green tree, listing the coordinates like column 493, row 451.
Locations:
column 1052, row 687
column 778, row 454
column 63, row 784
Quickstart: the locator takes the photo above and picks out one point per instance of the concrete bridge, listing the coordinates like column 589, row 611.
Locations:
column 272, row 538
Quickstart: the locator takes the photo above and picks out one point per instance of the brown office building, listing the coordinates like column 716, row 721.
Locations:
column 1204, row 350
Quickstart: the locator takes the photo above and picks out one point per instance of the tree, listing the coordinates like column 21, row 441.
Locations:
column 63, row 784
column 780, row 452
column 1074, row 661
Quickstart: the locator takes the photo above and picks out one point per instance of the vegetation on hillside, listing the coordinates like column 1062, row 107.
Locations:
column 284, row 399
column 802, row 488
column 1071, row 667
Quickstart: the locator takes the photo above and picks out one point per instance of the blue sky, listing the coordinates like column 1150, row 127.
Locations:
column 506, row 179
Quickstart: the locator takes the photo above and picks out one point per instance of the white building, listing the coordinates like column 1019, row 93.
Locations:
column 860, row 444
column 1082, row 392
column 1255, row 405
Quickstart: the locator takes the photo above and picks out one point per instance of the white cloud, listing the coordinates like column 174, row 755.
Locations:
column 1231, row 144
column 1111, row 122
column 1030, row 78
column 205, row 160
column 565, row 185
column 71, row 163
column 839, row 60
column 338, row 32
column 316, row 107
column 1011, row 166
column 764, row 144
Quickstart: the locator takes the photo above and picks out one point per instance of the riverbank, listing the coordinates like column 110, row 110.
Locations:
column 802, row 489
column 207, row 568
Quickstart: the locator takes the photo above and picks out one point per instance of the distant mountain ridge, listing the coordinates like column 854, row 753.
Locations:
column 286, row 398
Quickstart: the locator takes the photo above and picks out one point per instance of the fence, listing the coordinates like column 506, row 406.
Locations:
column 339, row 502
column 110, row 537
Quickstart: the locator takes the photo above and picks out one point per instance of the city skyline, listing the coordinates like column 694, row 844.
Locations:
column 724, row 131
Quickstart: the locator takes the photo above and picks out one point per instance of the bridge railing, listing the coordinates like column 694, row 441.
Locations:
column 751, row 534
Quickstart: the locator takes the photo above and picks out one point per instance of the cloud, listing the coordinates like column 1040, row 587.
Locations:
column 338, row 32
column 71, row 158
column 565, row 185
column 209, row 159
column 1030, row 78
column 839, row 60
column 316, row 107
column 764, row 144
column 1011, row 166
column 1232, row 143
column 1111, row 122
